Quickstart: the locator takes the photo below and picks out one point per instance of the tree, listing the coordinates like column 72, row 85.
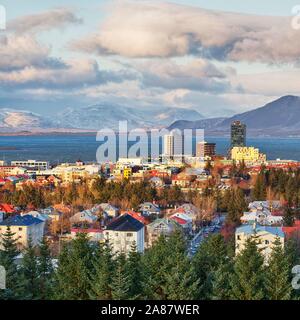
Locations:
column 74, row 269
column 212, row 253
column 235, row 206
column 45, row 271
column 259, row 191
column 247, row 281
column 120, row 285
column 277, row 280
column 135, row 274
column 221, row 281
column 288, row 218
column 29, row 269
column 181, row 281
column 101, row 277
column 14, row 281
column 159, row 260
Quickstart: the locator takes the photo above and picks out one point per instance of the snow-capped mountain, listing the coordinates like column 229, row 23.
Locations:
column 93, row 117
column 19, row 120
column 106, row 116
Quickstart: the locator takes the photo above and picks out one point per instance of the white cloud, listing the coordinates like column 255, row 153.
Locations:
column 55, row 18
column 197, row 74
column 273, row 83
column 17, row 52
column 157, row 29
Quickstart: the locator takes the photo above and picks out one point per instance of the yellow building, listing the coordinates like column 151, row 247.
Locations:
column 249, row 154
column 127, row 172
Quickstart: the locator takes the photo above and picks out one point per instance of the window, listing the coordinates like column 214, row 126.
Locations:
column 20, row 229
column 238, row 237
column 267, row 242
column 129, row 234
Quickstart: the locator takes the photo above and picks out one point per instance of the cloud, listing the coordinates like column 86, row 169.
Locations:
column 155, row 29
column 74, row 74
column 26, row 63
column 273, row 83
column 55, row 18
column 20, row 51
column 197, row 74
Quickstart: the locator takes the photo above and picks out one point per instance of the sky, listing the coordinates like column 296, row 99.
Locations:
column 217, row 57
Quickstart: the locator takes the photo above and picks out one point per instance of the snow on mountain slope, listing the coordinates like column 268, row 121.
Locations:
column 17, row 120
column 106, row 116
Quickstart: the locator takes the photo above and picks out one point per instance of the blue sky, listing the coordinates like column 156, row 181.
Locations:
column 66, row 53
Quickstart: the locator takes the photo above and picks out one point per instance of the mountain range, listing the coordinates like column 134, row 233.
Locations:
column 280, row 118
column 277, row 118
column 93, row 118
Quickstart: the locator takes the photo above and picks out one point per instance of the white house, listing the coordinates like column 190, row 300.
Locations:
column 160, row 227
column 83, row 216
column 24, row 227
column 125, row 231
column 149, row 208
column 110, row 210
column 94, row 235
column 264, row 235
column 262, row 212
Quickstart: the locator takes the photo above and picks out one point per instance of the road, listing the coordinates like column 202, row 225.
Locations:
column 204, row 233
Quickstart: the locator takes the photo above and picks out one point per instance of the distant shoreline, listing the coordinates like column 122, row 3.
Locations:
column 93, row 133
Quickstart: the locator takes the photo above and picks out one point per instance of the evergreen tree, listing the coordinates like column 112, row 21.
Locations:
column 259, row 190
column 154, row 265
column 221, row 281
column 235, row 206
column 288, row 217
column 29, row 269
column 120, row 285
column 159, row 260
column 45, row 271
column 135, row 274
column 277, row 281
column 247, row 281
column 101, row 277
column 212, row 253
column 14, row 281
column 181, row 281
column 74, row 268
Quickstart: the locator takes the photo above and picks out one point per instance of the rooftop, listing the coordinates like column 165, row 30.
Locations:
column 26, row 220
column 125, row 223
column 248, row 229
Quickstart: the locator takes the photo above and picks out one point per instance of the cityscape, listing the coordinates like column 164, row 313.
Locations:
column 149, row 156
column 228, row 208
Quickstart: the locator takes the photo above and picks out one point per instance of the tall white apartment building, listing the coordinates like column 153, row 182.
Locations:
column 173, row 145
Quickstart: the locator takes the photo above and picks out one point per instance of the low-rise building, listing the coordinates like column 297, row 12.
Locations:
column 94, row 234
column 83, row 217
column 160, row 227
column 149, row 208
column 247, row 154
column 266, row 213
column 265, row 237
column 109, row 210
column 125, row 231
column 25, row 228
column 32, row 164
